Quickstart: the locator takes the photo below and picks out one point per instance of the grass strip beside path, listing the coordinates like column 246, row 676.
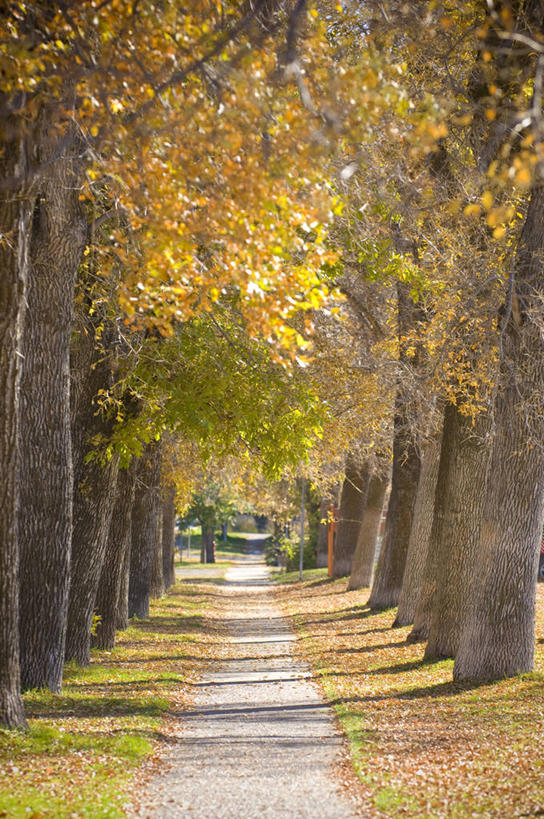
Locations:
column 421, row 745
column 85, row 745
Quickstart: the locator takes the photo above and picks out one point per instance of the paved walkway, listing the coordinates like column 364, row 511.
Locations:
column 259, row 740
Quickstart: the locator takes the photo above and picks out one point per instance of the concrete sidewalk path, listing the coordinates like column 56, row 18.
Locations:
column 259, row 741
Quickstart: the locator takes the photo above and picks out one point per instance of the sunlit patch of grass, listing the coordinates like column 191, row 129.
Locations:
column 85, row 744
column 421, row 745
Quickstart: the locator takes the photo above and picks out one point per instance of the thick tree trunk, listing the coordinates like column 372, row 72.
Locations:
column 94, row 486
column 145, row 518
column 387, row 584
column 14, row 228
column 365, row 553
column 455, row 534
column 420, row 535
column 117, row 547
column 352, row 504
column 168, row 538
column 157, row 571
column 207, row 552
column 59, row 234
column 498, row 638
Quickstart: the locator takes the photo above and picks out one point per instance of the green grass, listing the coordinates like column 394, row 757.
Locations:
column 85, row 744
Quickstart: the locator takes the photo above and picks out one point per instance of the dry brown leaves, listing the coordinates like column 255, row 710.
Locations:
column 422, row 745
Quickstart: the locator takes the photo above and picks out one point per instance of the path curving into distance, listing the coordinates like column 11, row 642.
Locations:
column 259, row 740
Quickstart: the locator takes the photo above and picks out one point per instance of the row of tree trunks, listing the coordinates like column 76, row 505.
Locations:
column 352, row 504
column 145, row 529
column 15, row 212
column 365, row 552
column 58, row 237
column 110, row 587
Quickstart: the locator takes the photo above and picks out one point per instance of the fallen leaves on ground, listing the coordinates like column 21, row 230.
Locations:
column 85, row 745
column 422, row 746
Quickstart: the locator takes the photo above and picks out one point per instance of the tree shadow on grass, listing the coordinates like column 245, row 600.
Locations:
column 172, row 625
column 63, row 706
column 447, row 689
column 367, row 649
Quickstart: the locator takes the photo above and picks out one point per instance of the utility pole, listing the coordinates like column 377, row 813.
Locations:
column 302, row 512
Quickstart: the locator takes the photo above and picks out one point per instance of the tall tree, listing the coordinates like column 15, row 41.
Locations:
column 497, row 639
column 58, row 237
column 15, row 214
column 420, row 534
column 352, row 504
column 387, row 584
column 463, row 474
column 363, row 560
column 168, row 534
column 145, row 518
column 115, row 563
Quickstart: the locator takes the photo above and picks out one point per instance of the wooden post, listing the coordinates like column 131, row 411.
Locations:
column 331, row 533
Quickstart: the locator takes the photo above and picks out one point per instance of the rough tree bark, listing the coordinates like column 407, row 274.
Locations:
column 145, row 518
column 15, row 214
column 168, row 537
column 365, row 553
column 497, row 638
column 117, row 547
column 455, row 535
column 94, row 483
column 420, row 535
column 59, row 234
column 352, row 504
column 157, row 572
column 387, row 584
column 121, row 613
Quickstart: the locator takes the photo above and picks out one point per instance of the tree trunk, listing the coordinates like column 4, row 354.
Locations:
column 420, row 534
column 363, row 560
column 352, row 504
column 387, row 584
column 117, row 547
column 94, row 484
column 145, row 518
column 322, row 551
column 455, row 534
column 14, row 228
column 157, row 570
column 59, row 234
column 207, row 553
column 498, row 637
column 168, row 538
column 121, row 613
